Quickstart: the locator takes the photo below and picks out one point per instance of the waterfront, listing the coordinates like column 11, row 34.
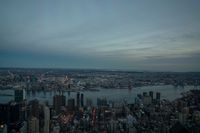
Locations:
column 168, row 92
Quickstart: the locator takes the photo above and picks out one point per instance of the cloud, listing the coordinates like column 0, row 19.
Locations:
column 125, row 35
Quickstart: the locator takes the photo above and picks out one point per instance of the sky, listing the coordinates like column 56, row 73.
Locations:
column 150, row 35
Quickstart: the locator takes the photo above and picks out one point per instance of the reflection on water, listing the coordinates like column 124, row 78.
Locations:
column 167, row 92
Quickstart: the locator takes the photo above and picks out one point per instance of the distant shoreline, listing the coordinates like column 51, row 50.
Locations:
column 6, row 95
column 94, row 69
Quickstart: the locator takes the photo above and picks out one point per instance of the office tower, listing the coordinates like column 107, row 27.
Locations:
column 144, row 93
column 88, row 102
column 101, row 102
column 23, row 129
column 113, row 126
column 19, row 95
column 132, row 129
column 94, row 117
column 33, row 125
column 46, row 119
column 71, row 104
column 68, row 93
column 10, row 113
column 137, row 100
column 14, row 112
column 23, row 110
column 158, row 96
column 58, row 101
column 139, row 96
column 82, row 100
column 56, row 129
column 3, row 128
column 34, row 108
column 41, row 120
column 146, row 100
column 4, row 113
column 129, row 85
column 13, row 116
column 182, row 117
column 78, row 99
column 151, row 94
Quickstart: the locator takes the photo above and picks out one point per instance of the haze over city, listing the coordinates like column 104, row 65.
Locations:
column 129, row 35
column 99, row 66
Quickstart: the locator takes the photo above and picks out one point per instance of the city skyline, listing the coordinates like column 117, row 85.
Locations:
column 127, row 35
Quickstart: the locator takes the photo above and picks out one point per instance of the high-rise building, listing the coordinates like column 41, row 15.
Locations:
column 139, row 96
column 144, row 93
column 33, row 125
column 151, row 94
column 88, row 102
column 78, row 99
column 10, row 114
column 14, row 110
column 102, row 102
column 23, row 110
column 3, row 128
column 56, row 129
column 71, row 104
column 46, row 119
column 58, row 101
column 146, row 100
column 113, row 126
column 82, row 100
column 4, row 113
column 158, row 96
column 34, row 108
column 24, row 127
column 19, row 95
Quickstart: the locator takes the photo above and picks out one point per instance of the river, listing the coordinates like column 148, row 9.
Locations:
column 168, row 92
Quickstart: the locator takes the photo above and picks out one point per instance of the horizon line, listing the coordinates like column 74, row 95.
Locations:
column 99, row 69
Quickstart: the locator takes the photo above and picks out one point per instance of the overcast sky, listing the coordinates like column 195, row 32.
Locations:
column 155, row 35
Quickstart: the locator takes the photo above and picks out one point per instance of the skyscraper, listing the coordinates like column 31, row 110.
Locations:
column 58, row 101
column 4, row 113
column 144, row 93
column 24, row 127
column 88, row 102
column 14, row 110
column 146, row 100
column 158, row 96
column 33, row 125
column 3, row 128
column 82, row 100
column 45, row 119
column 19, row 95
column 71, row 104
column 10, row 114
column 151, row 94
column 101, row 102
column 34, row 111
column 78, row 99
